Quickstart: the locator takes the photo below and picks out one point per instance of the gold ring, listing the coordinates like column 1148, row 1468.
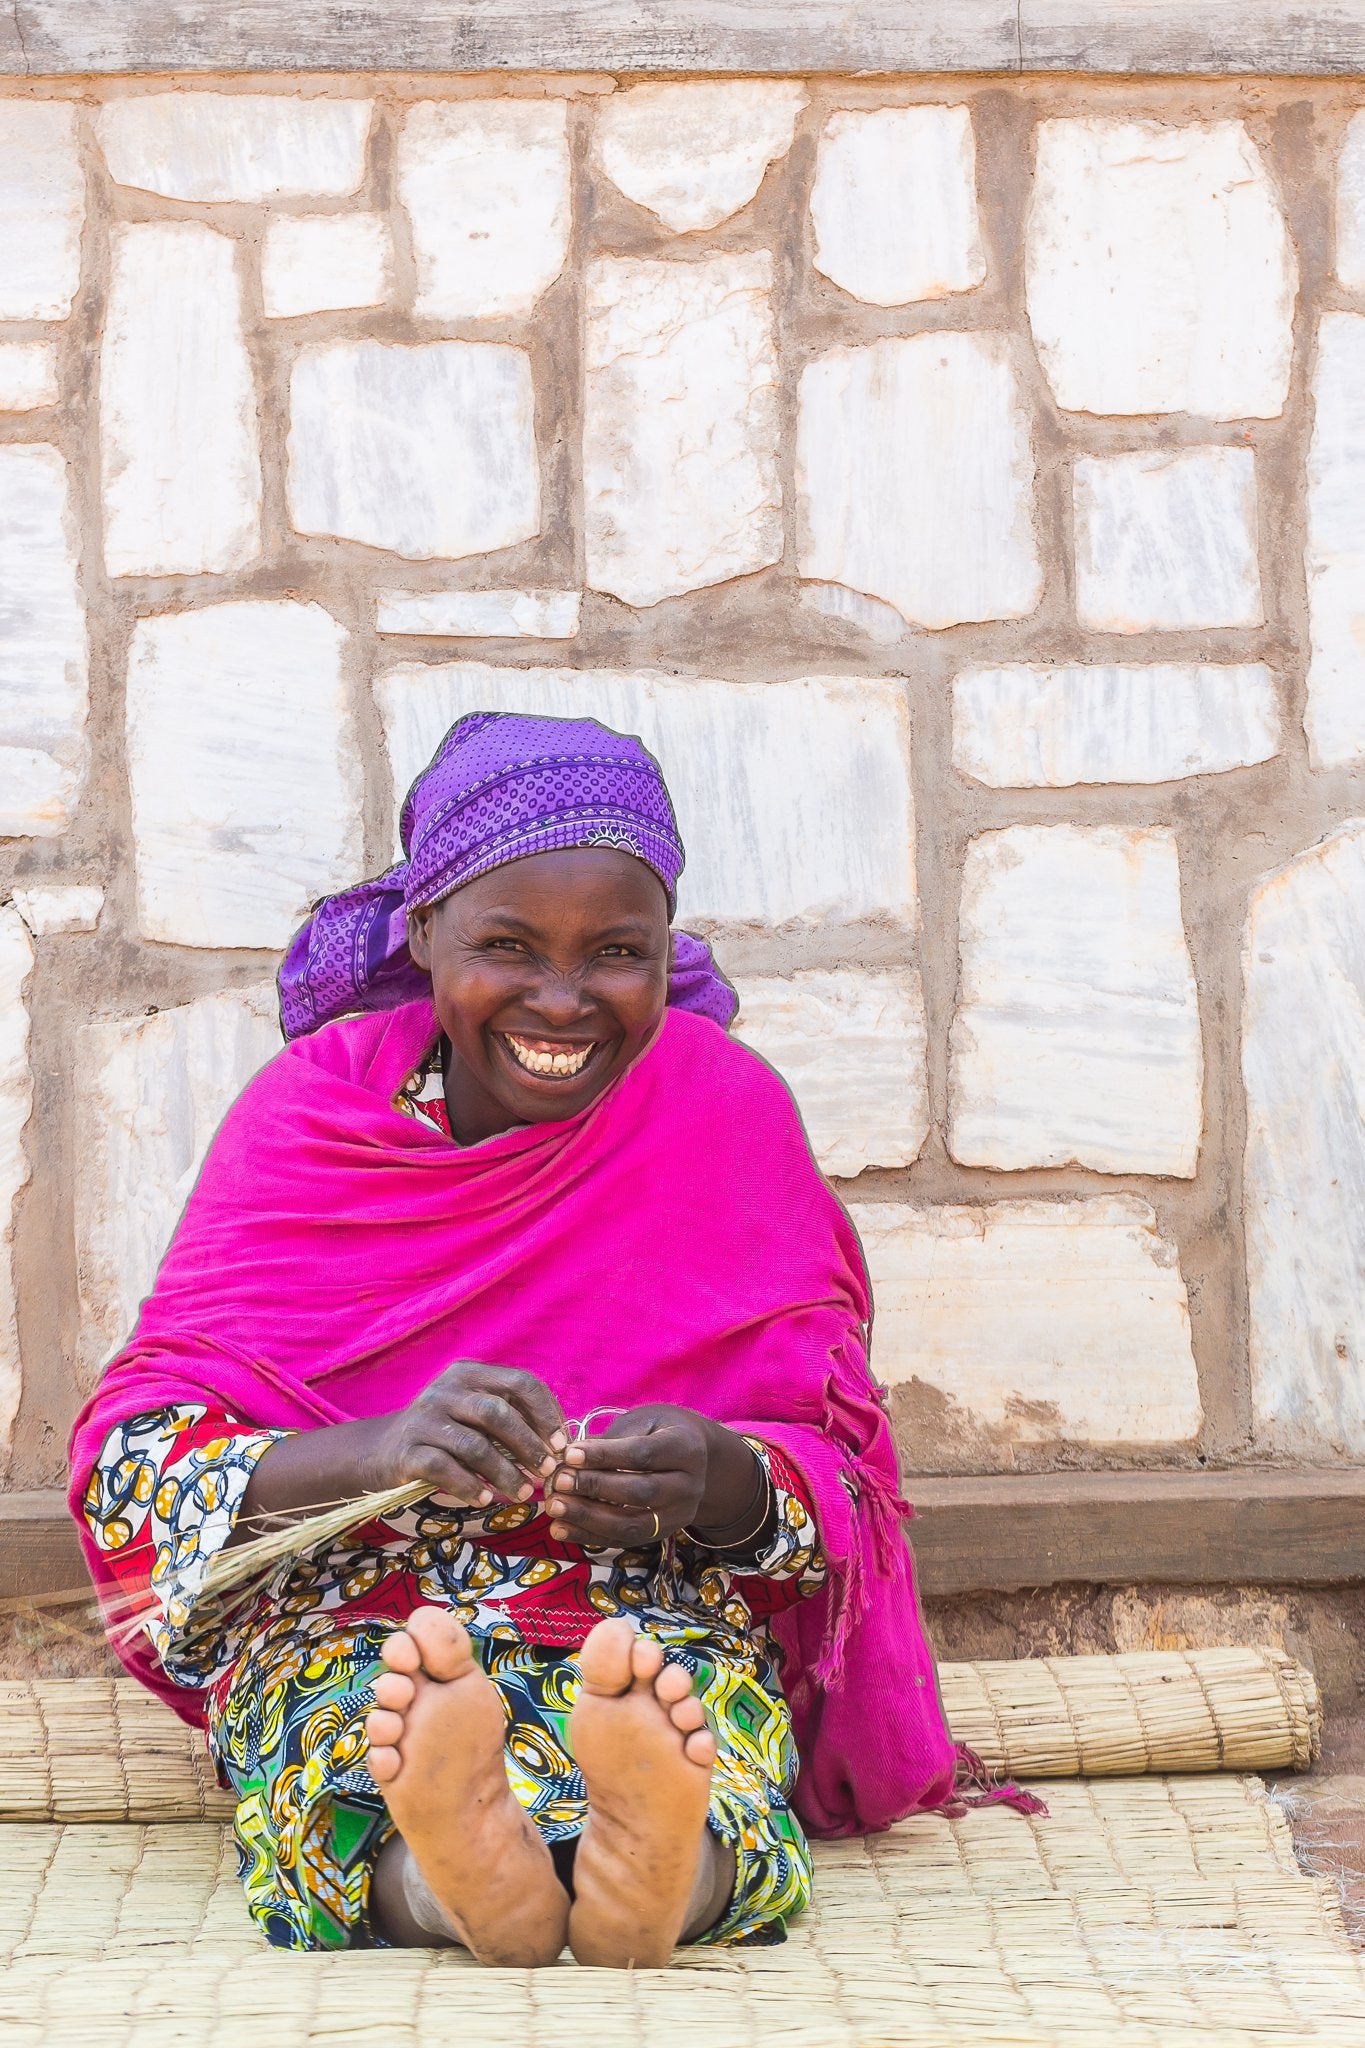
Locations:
column 657, row 1525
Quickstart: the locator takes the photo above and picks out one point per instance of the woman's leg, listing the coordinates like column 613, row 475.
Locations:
column 436, row 1753
column 643, row 1872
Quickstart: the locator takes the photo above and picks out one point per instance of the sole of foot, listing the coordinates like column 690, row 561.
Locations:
column 639, row 1737
column 436, row 1753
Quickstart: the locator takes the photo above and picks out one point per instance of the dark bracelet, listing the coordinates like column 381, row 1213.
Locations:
column 764, row 1488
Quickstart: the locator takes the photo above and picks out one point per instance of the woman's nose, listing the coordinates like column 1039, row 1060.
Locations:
column 559, row 1000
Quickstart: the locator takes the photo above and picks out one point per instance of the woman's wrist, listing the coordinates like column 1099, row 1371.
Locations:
column 735, row 1493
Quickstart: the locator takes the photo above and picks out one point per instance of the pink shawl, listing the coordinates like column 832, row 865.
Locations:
column 674, row 1242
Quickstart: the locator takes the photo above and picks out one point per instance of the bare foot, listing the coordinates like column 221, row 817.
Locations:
column 638, row 1735
column 436, row 1736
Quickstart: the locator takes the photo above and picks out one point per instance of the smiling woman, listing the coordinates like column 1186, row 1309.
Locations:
column 510, row 1177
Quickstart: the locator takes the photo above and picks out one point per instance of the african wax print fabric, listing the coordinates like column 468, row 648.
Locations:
column 288, row 1686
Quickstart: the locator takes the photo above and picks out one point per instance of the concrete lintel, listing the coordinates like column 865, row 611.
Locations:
column 62, row 38
column 1249, row 1526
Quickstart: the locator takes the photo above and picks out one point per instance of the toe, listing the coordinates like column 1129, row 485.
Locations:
column 673, row 1683
column 394, row 1689
column 401, row 1653
column 605, row 1658
column 385, row 1765
column 688, row 1714
column 646, row 1659
column 384, row 1729
column 441, row 1642
column 701, row 1748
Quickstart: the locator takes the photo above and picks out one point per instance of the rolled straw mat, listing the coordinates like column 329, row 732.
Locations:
column 1140, row 1910
column 103, row 1749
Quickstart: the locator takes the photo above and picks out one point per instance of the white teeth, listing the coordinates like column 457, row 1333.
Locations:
column 559, row 1063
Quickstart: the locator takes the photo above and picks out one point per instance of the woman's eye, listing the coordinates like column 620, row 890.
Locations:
column 619, row 953
column 504, row 945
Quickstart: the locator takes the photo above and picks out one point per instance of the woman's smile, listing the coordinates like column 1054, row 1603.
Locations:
column 551, row 1059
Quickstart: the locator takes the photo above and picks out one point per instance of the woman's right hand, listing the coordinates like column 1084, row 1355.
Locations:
column 477, row 1433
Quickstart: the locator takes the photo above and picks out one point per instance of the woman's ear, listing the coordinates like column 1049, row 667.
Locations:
column 419, row 935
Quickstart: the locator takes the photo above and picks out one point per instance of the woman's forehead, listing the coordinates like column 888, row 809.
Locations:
column 598, row 880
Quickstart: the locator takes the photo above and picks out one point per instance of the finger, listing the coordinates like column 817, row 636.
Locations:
column 446, row 1475
column 470, row 1448
column 534, row 1400
column 622, row 1489
column 603, row 1527
column 661, row 1451
column 502, row 1425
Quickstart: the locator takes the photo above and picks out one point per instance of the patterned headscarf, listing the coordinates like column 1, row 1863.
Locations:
column 501, row 786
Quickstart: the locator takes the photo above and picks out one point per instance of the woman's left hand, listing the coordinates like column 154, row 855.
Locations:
column 654, row 1471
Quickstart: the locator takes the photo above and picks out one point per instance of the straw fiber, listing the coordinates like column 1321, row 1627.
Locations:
column 1140, row 1910
column 96, row 1749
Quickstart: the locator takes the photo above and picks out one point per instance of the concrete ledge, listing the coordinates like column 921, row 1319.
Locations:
column 1250, row 1527
column 61, row 38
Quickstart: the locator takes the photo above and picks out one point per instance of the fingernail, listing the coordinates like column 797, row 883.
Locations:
column 547, row 1466
column 484, row 1498
column 525, row 1492
column 575, row 1456
column 558, row 1441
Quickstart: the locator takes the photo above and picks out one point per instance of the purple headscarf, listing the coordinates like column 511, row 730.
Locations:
column 501, row 786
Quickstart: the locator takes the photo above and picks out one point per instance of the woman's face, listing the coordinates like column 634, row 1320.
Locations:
column 549, row 976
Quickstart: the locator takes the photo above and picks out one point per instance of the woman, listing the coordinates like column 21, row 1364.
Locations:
column 512, row 1214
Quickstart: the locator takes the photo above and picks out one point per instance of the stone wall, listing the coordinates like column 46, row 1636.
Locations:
column 960, row 483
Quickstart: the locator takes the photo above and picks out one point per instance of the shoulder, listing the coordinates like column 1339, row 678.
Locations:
column 725, row 1061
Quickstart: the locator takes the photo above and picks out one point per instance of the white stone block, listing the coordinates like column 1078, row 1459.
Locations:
column 44, row 657
column 240, row 146
column 28, row 375
column 1036, row 1322
column 680, row 433
column 1160, row 272
column 1031, row 727
column 1350, row 210
column 1076, row 1040
column 1303, row 1062
column 893, row 205
column 42, row 209
column 692, row 154
column 881, row 622
column 16, row 1102
column 179, row 447
column 51, row 908
column 1166, row 539
column 486, row 185
column 481, row 614
column 793, row 798
column 428, row 451
column 851, row 1049
column 313, row 262
column 1335, row 555
column 245, row 772
column 152, row 1092
column 914, row 473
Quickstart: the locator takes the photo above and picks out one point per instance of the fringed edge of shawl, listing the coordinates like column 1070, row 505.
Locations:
column 976, row 1784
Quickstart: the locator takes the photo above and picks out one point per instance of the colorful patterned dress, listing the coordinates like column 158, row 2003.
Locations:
column 289, row 1684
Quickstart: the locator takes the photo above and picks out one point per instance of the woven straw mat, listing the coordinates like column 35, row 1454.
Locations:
column 1141, row 1909
column 103, row 1749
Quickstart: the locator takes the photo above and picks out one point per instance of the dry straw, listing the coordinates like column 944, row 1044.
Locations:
column 1137, row 1912
column 103, row 1749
